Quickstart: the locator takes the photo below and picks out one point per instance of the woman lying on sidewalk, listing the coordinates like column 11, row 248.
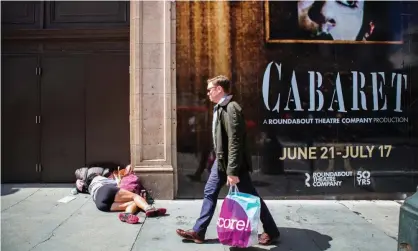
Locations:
column 108, row 197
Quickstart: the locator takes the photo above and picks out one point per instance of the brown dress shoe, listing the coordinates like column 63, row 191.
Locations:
column 191, row 236
column 266, row 239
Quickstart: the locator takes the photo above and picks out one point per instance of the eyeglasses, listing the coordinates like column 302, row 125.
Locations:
column 211, row 88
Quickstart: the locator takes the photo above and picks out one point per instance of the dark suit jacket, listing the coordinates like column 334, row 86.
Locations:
column 230, row 139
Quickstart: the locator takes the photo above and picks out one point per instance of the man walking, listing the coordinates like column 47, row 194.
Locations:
column 232, row 164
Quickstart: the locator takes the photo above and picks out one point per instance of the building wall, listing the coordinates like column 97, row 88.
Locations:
column 243, row 39
column 153, row 95
column 215, row 38
column 170, row 116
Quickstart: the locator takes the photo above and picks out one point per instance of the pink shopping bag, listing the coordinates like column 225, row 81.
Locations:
column 237, row 224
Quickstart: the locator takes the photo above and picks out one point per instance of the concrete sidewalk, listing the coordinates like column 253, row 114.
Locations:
column 33, row 219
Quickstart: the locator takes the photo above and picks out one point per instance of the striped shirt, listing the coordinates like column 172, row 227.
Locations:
column 97, row 183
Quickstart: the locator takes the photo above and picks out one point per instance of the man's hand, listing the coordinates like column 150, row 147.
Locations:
column 232, row 180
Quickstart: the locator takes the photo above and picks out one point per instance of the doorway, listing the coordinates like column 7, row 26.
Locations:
column 65, row 88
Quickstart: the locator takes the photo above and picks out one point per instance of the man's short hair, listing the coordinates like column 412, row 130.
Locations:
column 221, row 81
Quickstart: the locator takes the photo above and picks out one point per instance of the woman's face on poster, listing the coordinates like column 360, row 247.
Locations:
column 337, row 20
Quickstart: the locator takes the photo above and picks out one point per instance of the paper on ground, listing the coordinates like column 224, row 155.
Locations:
column 67, row 199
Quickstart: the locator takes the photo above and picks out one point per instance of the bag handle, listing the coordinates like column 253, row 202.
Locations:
column 233, row 189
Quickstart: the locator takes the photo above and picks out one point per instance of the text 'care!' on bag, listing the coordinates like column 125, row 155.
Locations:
column 237, row 225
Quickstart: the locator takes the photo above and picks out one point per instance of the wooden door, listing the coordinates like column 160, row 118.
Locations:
column 70, row 36
column 107, row 108
column 63, row 117
column 20, row 107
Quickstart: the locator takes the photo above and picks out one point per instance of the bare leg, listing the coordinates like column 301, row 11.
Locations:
column 127, row 196
column 128, row 207
column 132, row 208
column 124, row 196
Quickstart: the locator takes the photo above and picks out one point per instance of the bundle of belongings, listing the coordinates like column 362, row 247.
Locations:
column 125, row 177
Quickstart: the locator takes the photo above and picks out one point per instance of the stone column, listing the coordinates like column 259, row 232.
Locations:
column 152, row 96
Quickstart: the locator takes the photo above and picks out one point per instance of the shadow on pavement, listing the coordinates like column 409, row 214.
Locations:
column 207, row 241
column 295, row 239
column 11, row 188
column 8, row 190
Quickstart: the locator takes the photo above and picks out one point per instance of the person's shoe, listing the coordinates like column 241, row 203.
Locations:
column 191, row 236
column 155, row 212
column 128, row 218
column 266, row 239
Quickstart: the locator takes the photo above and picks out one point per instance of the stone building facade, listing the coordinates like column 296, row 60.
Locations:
column 153, row 95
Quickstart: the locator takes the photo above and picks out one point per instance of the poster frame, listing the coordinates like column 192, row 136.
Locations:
column 271, row 40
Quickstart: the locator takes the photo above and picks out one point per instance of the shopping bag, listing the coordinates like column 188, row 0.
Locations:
column 238, row 221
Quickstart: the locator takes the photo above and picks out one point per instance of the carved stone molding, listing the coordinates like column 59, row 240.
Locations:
column 152, row 96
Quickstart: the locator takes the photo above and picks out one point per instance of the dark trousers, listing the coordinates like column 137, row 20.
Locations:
column 217, row 179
